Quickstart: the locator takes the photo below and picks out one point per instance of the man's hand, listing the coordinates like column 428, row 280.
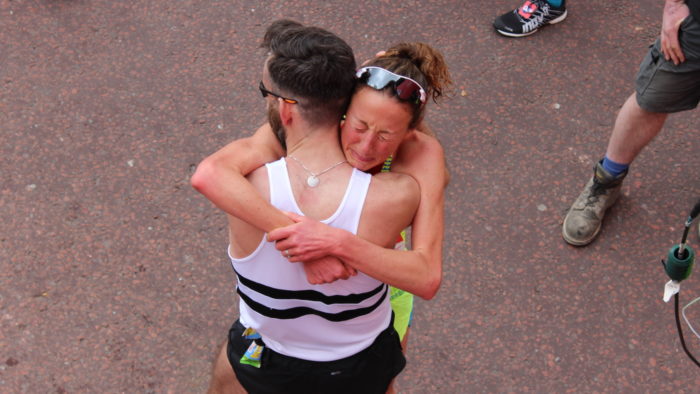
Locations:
column 675, row 11
column 327, row 270
column 305, row 240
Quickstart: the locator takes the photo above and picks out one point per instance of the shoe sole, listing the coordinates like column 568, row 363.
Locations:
column 552, row 22
column 577, row 242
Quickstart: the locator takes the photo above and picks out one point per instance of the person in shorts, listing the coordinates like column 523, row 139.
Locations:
column 668, row 81
column 293, row 336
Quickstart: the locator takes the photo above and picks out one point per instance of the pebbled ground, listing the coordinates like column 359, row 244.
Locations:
column 113, row 272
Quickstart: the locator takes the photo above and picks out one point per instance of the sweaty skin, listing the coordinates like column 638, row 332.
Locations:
column 417, row 271
column 221, row 178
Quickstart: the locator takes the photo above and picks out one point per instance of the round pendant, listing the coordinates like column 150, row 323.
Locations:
column 312, row 181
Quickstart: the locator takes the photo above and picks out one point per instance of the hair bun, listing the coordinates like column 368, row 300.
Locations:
column 428, row 60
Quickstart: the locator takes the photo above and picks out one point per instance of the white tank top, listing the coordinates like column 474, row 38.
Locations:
column 295, row 318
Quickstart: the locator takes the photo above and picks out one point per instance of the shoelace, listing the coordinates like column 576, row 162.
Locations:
column 597, row 189
column 541, row 6
column 537, row 17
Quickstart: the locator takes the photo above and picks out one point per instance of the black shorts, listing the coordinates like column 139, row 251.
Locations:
column 369, row 371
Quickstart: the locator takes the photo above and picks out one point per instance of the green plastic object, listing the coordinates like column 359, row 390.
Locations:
column 678, row 268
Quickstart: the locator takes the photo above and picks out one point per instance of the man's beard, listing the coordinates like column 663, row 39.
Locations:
column 273, row 117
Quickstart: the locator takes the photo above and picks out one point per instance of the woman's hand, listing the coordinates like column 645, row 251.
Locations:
column 306, row 239
column 310, row 242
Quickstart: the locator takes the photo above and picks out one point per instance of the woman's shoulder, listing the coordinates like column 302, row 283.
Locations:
column 423, row 157
column 418, row 150
column 391, row 189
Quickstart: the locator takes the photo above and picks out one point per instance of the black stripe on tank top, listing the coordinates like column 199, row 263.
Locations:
column 293, row 313
column 308, row 295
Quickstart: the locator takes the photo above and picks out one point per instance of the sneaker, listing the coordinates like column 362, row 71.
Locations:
column 532, row 15
column 582, row 223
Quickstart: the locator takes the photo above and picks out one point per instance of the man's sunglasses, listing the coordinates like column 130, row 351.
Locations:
column 265, row 92
column 405, row 88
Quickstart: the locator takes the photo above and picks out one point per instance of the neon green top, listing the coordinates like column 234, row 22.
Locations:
column 401, row 301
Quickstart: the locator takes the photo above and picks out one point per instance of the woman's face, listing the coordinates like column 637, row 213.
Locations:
column 374, row 127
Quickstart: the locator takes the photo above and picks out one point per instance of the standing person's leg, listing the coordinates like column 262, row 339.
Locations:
column 634, row 129
column 662, row 87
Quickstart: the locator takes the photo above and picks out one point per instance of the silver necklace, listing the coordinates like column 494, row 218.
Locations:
column 312, row 180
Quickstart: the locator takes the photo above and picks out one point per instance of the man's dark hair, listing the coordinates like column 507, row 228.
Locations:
column 312, row 65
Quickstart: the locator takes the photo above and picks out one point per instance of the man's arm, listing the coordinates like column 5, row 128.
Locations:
column 675, row 11
column 419, row 270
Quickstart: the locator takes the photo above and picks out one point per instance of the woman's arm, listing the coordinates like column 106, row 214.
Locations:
column 221, row 179
column 419, row 270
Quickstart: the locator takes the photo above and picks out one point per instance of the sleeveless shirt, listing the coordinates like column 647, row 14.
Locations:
column 295, row 318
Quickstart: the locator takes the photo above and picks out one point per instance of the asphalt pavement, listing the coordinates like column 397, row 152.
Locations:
column 113, row 270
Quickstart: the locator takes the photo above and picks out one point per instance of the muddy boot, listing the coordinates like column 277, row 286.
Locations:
column 582, row 223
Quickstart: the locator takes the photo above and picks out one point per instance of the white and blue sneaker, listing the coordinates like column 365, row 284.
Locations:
column 529, row 17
